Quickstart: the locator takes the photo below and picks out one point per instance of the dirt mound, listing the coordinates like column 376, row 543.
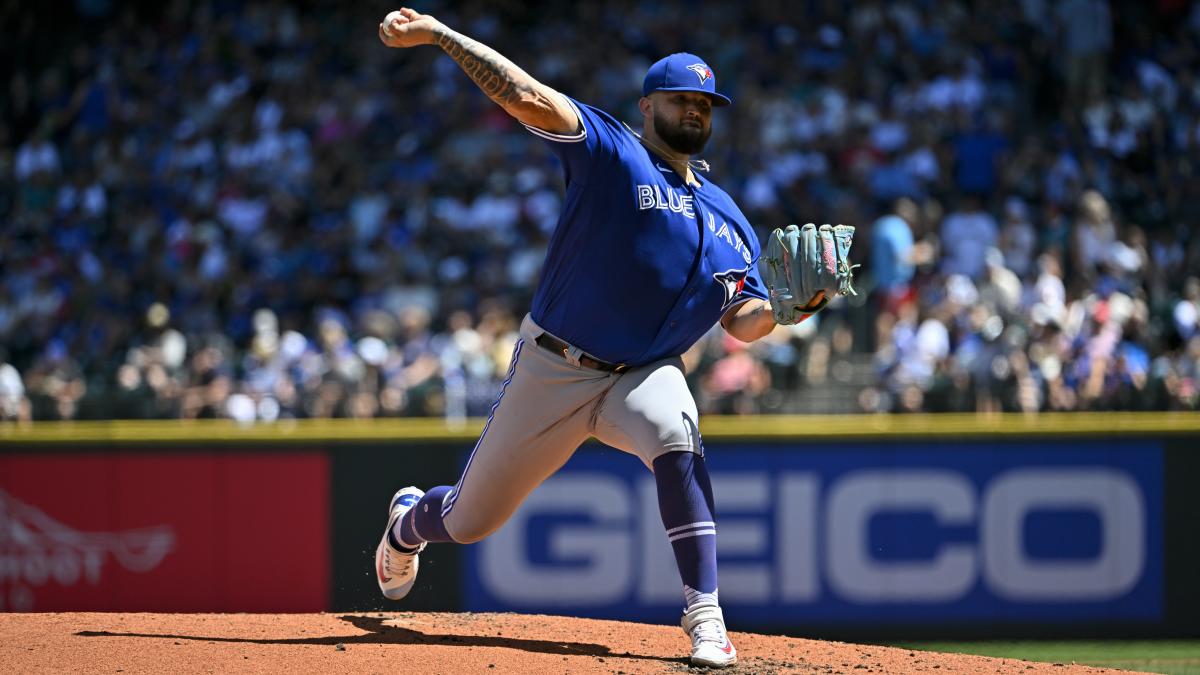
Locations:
column 429, row 643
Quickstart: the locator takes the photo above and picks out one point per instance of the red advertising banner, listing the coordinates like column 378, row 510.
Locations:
column 141, row 531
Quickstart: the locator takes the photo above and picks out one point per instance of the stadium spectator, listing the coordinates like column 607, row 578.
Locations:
column 13, row 403
column 1087, row 37
column 892, row 249
column 966, row 234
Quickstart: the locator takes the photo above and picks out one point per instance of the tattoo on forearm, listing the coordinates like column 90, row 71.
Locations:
column 491, row 72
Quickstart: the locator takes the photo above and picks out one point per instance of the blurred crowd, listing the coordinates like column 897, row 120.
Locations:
column 246, row 210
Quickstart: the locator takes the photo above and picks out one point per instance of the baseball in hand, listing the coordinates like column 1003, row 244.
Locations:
column 387, row 22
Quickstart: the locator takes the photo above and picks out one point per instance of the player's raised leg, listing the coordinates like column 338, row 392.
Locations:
column 651, row 413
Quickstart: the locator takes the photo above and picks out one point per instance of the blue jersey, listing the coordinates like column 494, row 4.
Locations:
column 641, row 264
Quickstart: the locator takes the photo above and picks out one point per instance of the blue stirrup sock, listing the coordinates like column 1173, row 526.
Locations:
column 425, row 518
column 685, row 501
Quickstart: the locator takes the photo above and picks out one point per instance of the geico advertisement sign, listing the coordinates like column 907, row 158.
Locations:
column 972, row 533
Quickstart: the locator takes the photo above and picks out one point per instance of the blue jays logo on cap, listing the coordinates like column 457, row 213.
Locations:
column 680, row 72
column 701, row 71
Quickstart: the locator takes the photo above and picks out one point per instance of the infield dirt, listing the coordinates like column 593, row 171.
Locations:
column 411, row 643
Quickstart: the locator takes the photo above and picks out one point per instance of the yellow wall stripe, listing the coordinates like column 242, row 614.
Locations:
column 714, row 428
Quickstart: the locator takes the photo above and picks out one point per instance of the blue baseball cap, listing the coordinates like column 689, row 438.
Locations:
column 683, row 72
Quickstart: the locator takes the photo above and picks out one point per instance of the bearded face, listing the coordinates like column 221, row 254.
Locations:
column 683, row 132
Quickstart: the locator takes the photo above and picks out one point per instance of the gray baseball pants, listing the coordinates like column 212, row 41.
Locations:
column 546, row 409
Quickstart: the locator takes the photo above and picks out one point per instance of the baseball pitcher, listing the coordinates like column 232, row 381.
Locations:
column 647, row 255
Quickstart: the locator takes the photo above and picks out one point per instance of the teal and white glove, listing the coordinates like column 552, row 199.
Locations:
column 804, row 267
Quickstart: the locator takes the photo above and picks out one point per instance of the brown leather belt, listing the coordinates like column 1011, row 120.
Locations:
column 553, row 344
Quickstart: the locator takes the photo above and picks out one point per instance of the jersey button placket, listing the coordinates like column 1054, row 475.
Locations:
column 700, row 238
column 702, row 269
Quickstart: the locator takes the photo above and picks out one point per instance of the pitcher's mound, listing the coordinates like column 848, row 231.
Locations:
column 412, row 643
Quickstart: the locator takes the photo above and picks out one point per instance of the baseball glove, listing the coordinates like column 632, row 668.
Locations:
column 804, row 267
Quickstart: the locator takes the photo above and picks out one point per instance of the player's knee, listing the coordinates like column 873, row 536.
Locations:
column 677, row 436
column 677, row 441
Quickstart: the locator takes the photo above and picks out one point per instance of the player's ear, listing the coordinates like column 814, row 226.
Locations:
column 645, row 105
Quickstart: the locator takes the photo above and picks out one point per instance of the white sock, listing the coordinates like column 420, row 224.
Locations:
column 693, row 597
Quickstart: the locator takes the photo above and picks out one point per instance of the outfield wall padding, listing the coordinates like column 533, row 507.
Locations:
column 863, row 527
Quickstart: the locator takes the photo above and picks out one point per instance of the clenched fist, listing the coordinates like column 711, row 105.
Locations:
column 407, row 28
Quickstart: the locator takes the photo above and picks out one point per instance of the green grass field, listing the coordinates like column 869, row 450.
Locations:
column 1173, row 657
